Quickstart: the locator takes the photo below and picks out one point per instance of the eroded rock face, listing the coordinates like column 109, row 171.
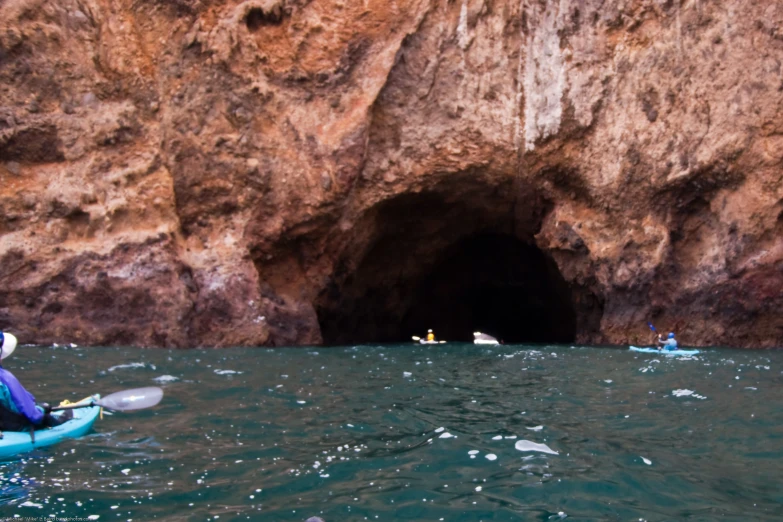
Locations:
column 277, row 172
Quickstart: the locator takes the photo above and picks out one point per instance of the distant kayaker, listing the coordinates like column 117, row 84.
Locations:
column 18, row 409
column 430, row 336
column 669, row 344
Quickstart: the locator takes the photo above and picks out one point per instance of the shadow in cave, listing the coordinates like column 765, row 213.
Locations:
column 492, row 283
column 497, row 285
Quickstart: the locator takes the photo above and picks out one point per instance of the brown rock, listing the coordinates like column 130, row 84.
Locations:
column 267, row 172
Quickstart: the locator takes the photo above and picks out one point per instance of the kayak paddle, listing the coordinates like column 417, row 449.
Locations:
column 656, row 331
column 126, row 400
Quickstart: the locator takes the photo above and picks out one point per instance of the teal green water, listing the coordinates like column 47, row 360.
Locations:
column 386, row 433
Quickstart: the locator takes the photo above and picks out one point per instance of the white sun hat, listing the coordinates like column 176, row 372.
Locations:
column 9, row 345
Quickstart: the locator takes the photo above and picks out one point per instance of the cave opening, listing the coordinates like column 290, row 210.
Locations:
column 497, row 285
column 455, row 265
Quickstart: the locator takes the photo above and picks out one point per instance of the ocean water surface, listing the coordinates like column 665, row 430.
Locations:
column 453, row 432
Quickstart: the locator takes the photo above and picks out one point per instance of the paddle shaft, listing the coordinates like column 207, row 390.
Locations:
column 656, row 333
column 74, row 406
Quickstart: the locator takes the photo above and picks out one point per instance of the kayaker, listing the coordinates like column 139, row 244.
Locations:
column 669, row 344
column 18, row 409
column 430, row 336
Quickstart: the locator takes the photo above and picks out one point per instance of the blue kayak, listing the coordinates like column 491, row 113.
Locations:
column 15, row 442
column 664, row 352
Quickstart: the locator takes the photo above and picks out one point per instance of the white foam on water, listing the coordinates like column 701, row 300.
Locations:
column 165, row 378
column 439, row 430
column 129, row 365
column 478, row 488
column 473, row 452
column 535, row 428
column 751, row 388
column 608, row 381
column 301, row 402
column 687, row 393
column 31, row 504
column 647, row 461
column 526, row 445
column 125, row 471
column 406, row 374
column 510, row 437
column 497, row 437
column 93, row 517
column 491, row 456
column 447, row 435
column 227, row 372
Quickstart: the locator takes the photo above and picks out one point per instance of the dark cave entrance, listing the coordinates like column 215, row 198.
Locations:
column 454, row 264
column 497, row 285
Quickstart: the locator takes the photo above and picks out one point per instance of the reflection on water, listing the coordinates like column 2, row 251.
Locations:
column 451, row 432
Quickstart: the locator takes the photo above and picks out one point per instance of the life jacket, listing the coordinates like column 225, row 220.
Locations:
column 10, row 420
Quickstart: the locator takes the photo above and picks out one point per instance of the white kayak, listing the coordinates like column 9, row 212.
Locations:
column 668, row 353
column 482, row 338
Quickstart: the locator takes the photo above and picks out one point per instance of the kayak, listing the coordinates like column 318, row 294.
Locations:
column 664, row 352
column 482, row 338
column 15, row 442
column 425, row 341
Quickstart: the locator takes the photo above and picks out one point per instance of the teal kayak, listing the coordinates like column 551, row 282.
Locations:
column 15, row 442
column 664, row 352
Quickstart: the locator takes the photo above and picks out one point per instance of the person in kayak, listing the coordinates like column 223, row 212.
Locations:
column 18, row 410
column 669, row 344
column 430, row 336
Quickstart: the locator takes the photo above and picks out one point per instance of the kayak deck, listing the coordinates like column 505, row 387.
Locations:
column 15, row 442
column 664, row 352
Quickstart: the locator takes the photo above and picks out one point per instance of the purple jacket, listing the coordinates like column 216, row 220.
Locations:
column 22, row 401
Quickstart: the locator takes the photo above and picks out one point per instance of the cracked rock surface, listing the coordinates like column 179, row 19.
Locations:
column 291, row 172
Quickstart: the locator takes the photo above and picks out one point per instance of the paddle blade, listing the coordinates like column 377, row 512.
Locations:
column 135, row 399
column 652, row 327
column 415, row 337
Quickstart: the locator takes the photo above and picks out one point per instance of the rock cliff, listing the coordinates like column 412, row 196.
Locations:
column 288, row 172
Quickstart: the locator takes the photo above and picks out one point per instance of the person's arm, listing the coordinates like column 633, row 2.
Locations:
column 23, row 399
